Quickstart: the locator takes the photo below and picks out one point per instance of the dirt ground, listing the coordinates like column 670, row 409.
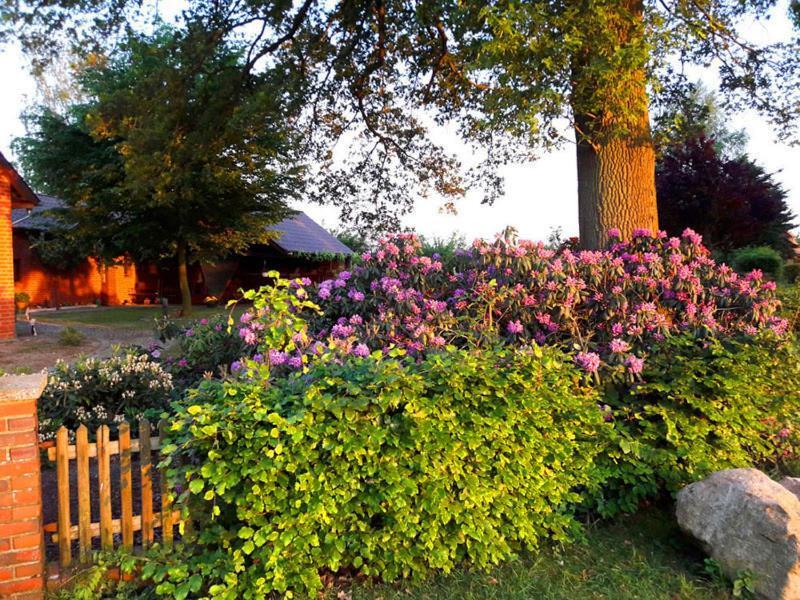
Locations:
column 28, row 354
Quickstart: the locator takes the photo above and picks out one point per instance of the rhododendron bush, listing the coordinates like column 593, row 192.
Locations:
column 609, row 307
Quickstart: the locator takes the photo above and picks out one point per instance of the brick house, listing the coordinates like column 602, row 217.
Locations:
column 14, row 194
column 303, row 249
column 86, row 283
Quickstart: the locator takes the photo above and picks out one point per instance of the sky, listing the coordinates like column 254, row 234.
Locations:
column 539, row 196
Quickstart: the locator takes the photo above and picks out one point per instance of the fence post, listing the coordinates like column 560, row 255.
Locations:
column 21, row 535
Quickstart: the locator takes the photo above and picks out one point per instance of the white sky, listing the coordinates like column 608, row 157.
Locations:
column 539, row 196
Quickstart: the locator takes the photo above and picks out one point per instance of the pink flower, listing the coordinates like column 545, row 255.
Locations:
column 634, row 364
column 588, row 361
column 515, row 327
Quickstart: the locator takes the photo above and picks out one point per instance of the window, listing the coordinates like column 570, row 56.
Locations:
column 17, row 274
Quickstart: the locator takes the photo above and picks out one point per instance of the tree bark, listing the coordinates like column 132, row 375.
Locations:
column 183, row 281
column 614, row 150
column 616, row 189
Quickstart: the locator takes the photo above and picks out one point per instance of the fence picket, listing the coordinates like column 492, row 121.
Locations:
column 62, row 473
column 104, row 479
column 84, row 506
column 145, row 468
column 166, row 499
column 107, row 528
column 126, row 484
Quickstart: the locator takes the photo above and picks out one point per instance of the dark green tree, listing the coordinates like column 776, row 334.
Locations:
column 510, row 75
column 176, row 153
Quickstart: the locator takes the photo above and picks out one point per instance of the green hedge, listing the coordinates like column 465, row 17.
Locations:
column 389, row 467
column 705, row 405
column 759, row 257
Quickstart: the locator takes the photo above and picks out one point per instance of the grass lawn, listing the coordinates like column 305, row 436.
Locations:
column 129, row 317
column 638, row 557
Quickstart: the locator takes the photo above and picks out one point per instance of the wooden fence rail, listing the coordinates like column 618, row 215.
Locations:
column 64, row 532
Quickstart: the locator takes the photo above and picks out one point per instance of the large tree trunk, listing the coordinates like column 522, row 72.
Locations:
column 615, row 154
column 183, row 281
column 616, row 189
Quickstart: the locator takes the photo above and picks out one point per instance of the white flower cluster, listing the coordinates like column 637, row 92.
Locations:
column 122, row 371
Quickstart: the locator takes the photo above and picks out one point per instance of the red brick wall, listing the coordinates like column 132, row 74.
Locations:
column 84, row 284
column 6, row 261
column 21, row 535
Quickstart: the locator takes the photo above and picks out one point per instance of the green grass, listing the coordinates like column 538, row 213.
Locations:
column 128, row 317
column 637, row 557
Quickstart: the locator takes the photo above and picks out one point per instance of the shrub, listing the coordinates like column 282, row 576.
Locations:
column 764, row 258
column 165, row 328
column 610, row 307
column 791, row 271
column 702, row 407
column 206, row 346
column 95, row 391
column 391, row 467
column 69, row 336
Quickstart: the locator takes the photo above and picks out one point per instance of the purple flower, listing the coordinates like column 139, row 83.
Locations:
column 588, row 361
column 246, row 317
column 614, row 233
column 183, row 363
column 514, row 327
column 355, row 295
column 189, row 332
column 276, row 357
column 236, row 365
column 361, row 350
column 155, row 353
column 295, row 362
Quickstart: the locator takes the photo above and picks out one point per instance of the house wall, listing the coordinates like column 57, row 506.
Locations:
column 85, row 284
column 6, row 260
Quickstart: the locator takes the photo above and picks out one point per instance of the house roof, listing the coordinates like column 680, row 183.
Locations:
column 300, row 234
column 35, row 220
column 22, row 195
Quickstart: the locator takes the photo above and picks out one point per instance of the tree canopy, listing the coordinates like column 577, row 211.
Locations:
column 377, row 75
column 174, row 154
column 731, row 202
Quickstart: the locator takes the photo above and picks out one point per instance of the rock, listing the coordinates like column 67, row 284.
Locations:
column 747, row 522
column 792, row 484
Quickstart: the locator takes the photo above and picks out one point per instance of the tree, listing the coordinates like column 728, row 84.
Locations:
column 732, row 202
column 175, row 154
column 692, row 112
column 509, row 74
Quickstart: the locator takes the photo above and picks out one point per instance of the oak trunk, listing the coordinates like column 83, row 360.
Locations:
column 616, row 189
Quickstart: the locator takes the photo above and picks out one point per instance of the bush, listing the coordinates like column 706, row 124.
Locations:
column 791, row 271
column 22, row 298
column 763, row 258
column 391, row 467
column 69, row 336
column 702, row 407
column 206, row 346
column 96, row 392
column 611, row 307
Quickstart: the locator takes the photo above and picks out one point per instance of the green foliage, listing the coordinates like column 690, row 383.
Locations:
column 69, row 336
column 174, row 142
column 764, row 258
column 205, row 346
column 384, row 465
column 702, row 406
column 95, row 391
column 791, row 271
column 166, row 328
column 506, row 76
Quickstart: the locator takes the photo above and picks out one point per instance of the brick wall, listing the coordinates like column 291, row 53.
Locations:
column 21, row 536
column 6, row 260
column 84, row 284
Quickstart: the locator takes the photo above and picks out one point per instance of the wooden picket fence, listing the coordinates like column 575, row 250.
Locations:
column 64, row 532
